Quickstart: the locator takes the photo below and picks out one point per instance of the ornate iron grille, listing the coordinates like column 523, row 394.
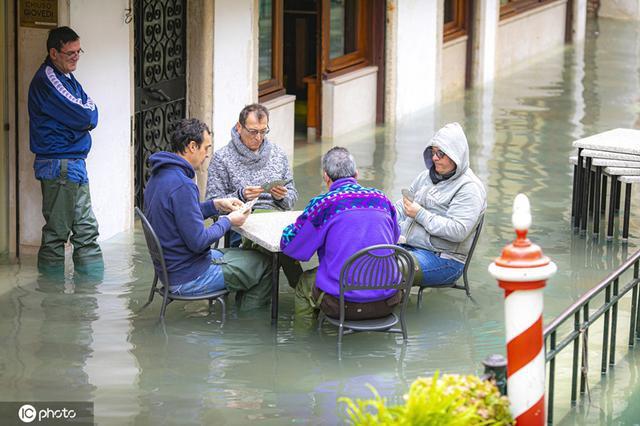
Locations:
column 160, row 69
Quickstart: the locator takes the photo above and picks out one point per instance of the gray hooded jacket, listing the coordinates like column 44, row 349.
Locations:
column 451, row 208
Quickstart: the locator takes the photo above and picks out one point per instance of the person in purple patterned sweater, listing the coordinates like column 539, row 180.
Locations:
column 337, row 224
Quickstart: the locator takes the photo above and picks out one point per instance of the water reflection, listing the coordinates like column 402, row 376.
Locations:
column 82, row 337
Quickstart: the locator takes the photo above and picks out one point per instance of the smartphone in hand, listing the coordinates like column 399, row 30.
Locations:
column 408, row 194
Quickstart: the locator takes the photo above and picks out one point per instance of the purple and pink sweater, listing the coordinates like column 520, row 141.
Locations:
column 337, row 224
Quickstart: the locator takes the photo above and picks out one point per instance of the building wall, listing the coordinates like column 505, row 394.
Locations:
column 281, row 123
column 413, row 40
column 105, row 72
column 235, row 66
column 620, row 9
column 108, row 77
column 349, row 102
column 454, row 66
column 32, row 50
column 529, row 34
column 200, row 70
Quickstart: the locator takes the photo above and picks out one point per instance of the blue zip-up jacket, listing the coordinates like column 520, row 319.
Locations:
column 60, row 115
column 172, row 207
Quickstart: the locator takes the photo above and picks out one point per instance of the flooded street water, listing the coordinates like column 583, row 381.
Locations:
column 82, row 337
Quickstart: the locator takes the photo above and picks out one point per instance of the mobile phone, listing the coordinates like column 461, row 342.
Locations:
column 408, row 194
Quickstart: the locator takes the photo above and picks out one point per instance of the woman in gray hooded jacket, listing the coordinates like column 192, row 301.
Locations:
column 448, row 201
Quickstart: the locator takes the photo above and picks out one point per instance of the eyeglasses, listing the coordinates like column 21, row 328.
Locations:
column 256, row 132
column 72, row 54
column 439, row 154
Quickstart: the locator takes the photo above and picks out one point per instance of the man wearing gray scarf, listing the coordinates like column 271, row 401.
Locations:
column 249, row 162
column 250, row 167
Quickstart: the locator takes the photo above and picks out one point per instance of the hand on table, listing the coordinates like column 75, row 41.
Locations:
column 251, row 192
column 227, row 204
column 411, row 208
column 279, row 192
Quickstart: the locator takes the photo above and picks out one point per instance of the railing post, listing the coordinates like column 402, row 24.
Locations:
column 522, row 271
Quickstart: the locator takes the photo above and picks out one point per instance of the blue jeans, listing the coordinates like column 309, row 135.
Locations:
column 211, row 280
column 435, row 269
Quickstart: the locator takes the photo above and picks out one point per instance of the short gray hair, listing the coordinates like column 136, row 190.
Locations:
column 338, row 163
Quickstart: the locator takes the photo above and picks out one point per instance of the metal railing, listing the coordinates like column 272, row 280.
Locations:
column 583, row 319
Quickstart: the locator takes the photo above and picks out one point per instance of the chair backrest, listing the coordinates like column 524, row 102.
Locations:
column 476, row 236
column 155, row 249
column 379, row 267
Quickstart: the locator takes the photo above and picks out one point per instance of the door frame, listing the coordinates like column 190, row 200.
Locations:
column 11, row 127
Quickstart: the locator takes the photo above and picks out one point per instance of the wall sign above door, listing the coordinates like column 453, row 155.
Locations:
column 39, row 13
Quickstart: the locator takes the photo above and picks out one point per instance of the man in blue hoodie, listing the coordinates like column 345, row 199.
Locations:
column 61, row 115
column 172, row 207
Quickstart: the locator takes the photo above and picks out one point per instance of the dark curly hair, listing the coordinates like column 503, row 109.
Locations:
column 185, row 131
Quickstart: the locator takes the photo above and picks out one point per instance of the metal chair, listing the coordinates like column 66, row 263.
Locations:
column 378, row 267
column 465, row 279
column 157, row 257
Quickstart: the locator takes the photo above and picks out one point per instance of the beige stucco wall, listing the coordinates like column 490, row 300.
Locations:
column 413, row 42
column 235, row 67
column 281, row 123
column 454, row 63
column 32, row 48
column 200, row 71
column 349, row 102
column 620, row 9
column 529, row 34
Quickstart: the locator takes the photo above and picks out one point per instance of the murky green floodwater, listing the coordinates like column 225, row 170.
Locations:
column 83, row 338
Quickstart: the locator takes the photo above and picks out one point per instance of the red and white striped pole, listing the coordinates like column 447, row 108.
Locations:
column 522, row 271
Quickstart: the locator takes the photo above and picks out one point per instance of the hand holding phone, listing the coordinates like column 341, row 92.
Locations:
column 408, row 194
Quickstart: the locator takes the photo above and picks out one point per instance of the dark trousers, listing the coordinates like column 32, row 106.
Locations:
column 308, row 300
column 66, row 207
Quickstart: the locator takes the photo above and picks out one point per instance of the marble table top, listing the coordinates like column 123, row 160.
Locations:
column 594, row 153
column 617, row 140
column 615, row 163
column 265, row 229
column 605, row 162
column 621, row 171
column 629, row 179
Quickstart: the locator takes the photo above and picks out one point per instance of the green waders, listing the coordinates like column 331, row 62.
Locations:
column 247, row 272
column 305, row 304
column 66, row 207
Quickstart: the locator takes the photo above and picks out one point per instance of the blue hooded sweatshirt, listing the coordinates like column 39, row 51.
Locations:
column 172, row 207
